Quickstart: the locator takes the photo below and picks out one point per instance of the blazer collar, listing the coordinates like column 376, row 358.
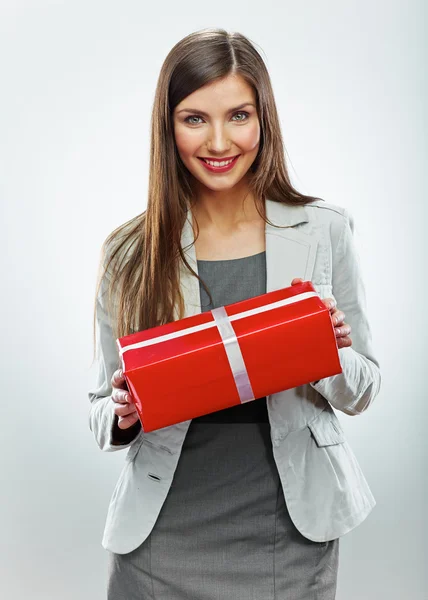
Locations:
column 289, row 252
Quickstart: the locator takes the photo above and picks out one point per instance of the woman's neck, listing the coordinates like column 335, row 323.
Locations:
column 225, row 214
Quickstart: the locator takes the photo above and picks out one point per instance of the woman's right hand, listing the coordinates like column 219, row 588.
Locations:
column 125, row 408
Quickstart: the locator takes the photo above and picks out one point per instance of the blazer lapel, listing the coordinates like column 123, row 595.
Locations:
column 289, row 253
column 188, row 282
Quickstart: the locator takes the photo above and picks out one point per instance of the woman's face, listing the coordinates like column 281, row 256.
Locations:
column 208, row 124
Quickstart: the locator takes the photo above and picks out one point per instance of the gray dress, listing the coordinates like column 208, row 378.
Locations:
column 224, row 532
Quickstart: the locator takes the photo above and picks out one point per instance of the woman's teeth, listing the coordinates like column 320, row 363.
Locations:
column 218, row 164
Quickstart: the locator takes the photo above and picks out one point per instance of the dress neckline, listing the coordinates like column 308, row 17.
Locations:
column 229, row 260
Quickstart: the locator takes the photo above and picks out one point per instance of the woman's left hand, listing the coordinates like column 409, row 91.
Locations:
column 341, row 329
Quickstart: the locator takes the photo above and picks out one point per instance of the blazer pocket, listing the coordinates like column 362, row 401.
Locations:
column 326, row 432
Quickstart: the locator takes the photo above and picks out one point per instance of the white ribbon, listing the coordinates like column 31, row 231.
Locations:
column 234, row 354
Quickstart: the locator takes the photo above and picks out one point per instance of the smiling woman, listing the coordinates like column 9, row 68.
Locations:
column 218, row 141
column 249, row 502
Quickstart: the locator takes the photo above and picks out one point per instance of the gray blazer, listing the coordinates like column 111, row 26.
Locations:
column 324, row 488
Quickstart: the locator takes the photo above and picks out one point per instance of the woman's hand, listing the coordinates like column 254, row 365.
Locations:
column 125, row 408
column 341, row 329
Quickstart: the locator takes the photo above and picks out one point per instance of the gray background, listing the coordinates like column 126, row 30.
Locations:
column 77, row 84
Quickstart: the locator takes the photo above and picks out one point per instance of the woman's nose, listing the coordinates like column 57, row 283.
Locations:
column 218, row 139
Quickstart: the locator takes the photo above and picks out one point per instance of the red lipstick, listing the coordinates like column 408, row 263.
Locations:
column 220, row 169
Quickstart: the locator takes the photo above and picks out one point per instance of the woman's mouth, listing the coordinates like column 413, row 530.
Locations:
column 219, row 166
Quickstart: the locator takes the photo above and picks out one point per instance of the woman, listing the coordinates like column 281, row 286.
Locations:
column 247, row 502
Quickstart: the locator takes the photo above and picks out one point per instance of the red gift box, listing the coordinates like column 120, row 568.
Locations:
column 229, row 355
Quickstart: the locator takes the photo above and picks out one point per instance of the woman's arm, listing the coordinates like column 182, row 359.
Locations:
column 353, row 390
column 103, row 422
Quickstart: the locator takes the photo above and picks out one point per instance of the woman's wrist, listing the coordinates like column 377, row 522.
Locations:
column 122, row 437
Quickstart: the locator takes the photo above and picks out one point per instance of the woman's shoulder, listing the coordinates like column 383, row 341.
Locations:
column 122, row 240
column 314, row 213
column 338, row 218
column 328, row 210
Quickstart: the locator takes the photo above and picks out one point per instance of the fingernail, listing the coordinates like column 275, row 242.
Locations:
column 120, row 373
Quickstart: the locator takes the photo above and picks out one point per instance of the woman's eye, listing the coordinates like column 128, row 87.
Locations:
column 242, row 113
column 186, row 120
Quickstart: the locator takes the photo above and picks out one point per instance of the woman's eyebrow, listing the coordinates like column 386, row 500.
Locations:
column 201, row 112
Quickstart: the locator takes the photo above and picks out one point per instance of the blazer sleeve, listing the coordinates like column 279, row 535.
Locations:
column 353, row 390
column 103, row 422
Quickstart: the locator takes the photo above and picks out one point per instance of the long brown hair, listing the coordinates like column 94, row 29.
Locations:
column 140, row 259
